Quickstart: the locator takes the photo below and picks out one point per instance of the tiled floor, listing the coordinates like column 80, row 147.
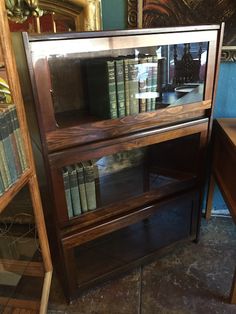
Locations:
column 193, row 278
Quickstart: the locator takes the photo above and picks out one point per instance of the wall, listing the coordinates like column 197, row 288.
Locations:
column 115, row 17
column 114, row 14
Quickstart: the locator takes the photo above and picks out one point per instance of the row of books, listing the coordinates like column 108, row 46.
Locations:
column 123, row 86
column 12, row 154
column 80, row 188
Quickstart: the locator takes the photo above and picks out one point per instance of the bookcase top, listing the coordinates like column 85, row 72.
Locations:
column 128, row 32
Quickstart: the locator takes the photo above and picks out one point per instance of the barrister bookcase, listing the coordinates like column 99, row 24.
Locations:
column 120, row 124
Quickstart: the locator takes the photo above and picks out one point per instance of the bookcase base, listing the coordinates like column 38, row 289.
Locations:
column 114, row 254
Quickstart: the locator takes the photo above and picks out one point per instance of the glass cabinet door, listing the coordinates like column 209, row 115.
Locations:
column 90, row 80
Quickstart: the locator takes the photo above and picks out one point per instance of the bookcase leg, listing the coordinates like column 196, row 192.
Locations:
column 210, row 197
column 70, row 273
column 38, row 212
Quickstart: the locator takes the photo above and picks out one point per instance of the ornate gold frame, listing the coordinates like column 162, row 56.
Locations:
column 86, row 13
column 135, row 10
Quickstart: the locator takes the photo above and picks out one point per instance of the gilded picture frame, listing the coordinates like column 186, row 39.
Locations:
column 39, row 16
column 87, row 14
column 157, row 13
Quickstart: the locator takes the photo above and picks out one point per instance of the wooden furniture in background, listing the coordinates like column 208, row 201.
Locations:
column 223, row 172
column 28, row 177
column 151, row 163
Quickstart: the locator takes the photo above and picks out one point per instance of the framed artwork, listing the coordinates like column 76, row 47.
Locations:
column 158, row 13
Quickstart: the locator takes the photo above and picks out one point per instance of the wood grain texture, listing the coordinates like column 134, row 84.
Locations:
column 223, row 172
column 91, row 132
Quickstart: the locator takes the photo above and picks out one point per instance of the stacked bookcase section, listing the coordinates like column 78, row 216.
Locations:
column 123, row 120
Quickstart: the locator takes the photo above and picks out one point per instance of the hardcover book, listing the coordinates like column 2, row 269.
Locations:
column 101, row 85
column 120, row 87
column 80, row 177
column 7, row 147
column 66, row 181
column 74, row 190
column 10, row 127
column 89, row 179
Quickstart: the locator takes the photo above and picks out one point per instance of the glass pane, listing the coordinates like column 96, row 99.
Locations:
column 21, row 267
column 116, row 83
column 100, row 182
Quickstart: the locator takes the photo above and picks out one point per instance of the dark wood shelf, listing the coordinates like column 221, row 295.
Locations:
column 90, row 129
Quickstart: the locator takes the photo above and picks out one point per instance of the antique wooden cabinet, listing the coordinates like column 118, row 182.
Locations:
column 124, row 119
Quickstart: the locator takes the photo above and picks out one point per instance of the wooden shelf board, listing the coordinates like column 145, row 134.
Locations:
column 26, row 268
column 140, row 205
column 90, row 130
column 15, row 188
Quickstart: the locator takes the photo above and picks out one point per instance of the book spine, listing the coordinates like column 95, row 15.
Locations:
column 3, row 166
column 126, row 78
column 160, row 73
column 10, row 127
column 133, row 86
column 89, row 180
column 112, row 89
column 2, row 187
column 154, row 81
column 149, row 83
column 19, row 140
column 67, row 193
column 80, row 176
column 74, row 189
column 142, row 83
column 7, row 146
column 120, row 87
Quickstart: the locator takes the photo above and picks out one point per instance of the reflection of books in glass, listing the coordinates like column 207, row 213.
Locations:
column 119, row 161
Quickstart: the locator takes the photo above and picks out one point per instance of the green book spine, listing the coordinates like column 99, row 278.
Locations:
column 74, row 189
column 133, row 86
column 10, row 126
column 154, row 81
column 19, row 140
column 2, row 188
column 112, row 89
column 4, row 168
column 149, row 83
column 101, row 86
column 80, row 176
column 7, row 146
column 66, row 181
column 126, row 77
column 90, row 189
column 120, row 87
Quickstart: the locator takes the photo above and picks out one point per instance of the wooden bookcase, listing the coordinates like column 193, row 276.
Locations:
column 149, row 162
column 27, row 178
